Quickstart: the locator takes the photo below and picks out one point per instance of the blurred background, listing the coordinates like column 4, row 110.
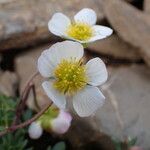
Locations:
column 24, row 35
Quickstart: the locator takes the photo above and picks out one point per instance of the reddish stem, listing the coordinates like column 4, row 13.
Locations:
column 26, row 123
column 23, row 98
column 21, row 106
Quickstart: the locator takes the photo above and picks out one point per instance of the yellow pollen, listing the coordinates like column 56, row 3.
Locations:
column 70, row 76
column 80, row 31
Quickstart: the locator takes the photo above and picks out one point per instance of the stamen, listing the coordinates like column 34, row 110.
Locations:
column 70, row 76
column 80, row 31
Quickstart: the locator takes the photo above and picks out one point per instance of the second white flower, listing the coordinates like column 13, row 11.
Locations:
column 81, row 29
column 66, row 74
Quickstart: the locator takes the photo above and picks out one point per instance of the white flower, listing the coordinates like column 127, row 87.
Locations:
column 81, row 29
column 35, row 130
column 66, row 75
column 62, row 123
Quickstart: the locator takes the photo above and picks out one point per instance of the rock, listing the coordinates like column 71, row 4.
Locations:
column 128, row 93
column 116, row 48
column 26, row 65
column 6, row 1
column 1, row 31
column 90, row 139
column 131, row 24
column 8, row 83
column 25, row 22
column 147, row 6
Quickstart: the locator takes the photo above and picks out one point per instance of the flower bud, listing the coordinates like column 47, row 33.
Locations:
column 135, row 148
column 62, row 123
column 35, row 130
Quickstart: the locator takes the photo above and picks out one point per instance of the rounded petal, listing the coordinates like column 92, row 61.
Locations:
column 50, row 58
column 100, row 32
column 96, row 71
column 86, row 15
column 57, row 98
column 35, row 130
column 66, row 50
column 87, row 101
column 62, row 123
column 58, row 24
column 45, row 64
column 65, row 115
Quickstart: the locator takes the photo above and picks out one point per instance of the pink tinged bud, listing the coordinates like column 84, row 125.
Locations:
column 135, row 148
column 35, row 130
column 62, row 123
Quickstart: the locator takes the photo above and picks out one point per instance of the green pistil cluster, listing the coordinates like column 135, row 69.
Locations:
column 50, row 114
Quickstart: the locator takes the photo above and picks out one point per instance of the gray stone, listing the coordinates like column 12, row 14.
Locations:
column 8, row 83
column 147, row 6
column 126, row 111
column 6, row 1
column 25, row 22
column 131, row 24
column 83, row 135
column 115, row 47
column 26, row 66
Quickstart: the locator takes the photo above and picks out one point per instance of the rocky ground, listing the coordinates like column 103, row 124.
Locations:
column 24, row 35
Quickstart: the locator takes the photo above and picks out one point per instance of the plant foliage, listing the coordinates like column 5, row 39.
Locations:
column 12, row 141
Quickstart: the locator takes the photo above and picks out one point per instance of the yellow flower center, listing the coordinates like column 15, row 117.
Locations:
column 70, row 76
column 80, row 31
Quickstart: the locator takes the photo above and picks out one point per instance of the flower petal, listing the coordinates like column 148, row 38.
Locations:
column 66, row 50
column 96, row 71
column 35, row 130
column 86, row 15
column 100, row 32
column 87, row 101
column 50, row 58
column 58, row 24
column 57, row 98
column 45, row 64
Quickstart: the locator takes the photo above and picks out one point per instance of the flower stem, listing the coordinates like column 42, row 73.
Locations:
column 24, row 124
column 21, row 106
column 85, row 45
column 24, row 97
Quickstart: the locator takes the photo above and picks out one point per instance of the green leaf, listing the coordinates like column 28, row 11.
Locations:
column 15, row 140
column 27, row 114
column 7, row 111
column 85, row 45
column 117, row 144
column 59, row 146
column 132, row 141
